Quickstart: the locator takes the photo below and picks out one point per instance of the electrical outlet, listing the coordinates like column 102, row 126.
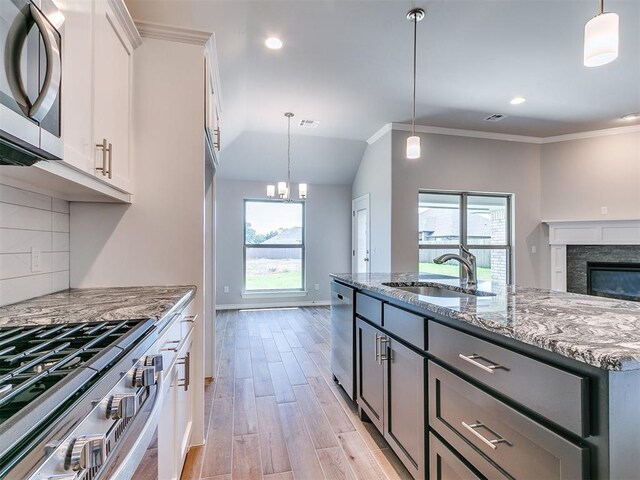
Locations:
column 36, row 260
column 317, row 286
column 226, row 289
column 604, row 210
column 534, row 249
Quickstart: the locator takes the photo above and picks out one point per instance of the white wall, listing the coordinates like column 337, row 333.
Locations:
column 328, row 240
column 32, row 220
column 581, row 176
column 374, row 177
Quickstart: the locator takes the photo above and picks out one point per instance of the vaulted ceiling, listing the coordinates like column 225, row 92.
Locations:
column 348, row 64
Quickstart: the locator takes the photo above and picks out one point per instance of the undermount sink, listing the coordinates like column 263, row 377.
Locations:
column 435, row 291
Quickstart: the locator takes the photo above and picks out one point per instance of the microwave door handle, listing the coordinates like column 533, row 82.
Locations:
column 16, row 38
column 49, row 92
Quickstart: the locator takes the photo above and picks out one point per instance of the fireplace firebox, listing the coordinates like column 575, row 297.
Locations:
column 614, row 280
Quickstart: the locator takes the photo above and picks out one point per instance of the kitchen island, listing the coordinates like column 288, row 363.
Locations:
column 502, row 382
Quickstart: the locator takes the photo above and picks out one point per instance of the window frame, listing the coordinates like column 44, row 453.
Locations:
column 301, row 246
column 464, row 197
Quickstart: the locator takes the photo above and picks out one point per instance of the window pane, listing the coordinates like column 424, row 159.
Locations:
column 438, row 218
column 273, row 268
column 492, row 265
column 273, row 223
column 487, row 221
column 445, row 270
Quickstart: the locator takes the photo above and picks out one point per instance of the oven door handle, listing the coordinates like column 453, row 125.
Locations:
column 118, row 467
column 16, row 39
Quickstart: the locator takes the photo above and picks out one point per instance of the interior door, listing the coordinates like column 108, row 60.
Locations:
column 361, row 242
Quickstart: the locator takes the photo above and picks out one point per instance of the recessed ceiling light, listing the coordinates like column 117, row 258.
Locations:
column 273, row 43
column 631, row 116
column 517, row 100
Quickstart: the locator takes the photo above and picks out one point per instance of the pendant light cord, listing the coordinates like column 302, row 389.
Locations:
column 289, row 157
column 415, row 61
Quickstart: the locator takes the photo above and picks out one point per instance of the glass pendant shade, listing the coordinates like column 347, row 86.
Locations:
column 282, row 189
column 601, row 40
column 413, row 147
column 302, row 191
column 271, row 191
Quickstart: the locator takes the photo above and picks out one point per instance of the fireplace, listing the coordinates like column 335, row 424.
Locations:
column 614, row 280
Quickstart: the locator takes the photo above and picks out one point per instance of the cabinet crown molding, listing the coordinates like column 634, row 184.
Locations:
column 126, row 22
column 176, row 34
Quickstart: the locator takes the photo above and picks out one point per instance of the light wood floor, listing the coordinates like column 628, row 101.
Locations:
column 274, row 412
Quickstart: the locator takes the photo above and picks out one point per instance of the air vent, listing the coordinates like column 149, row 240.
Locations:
column 496, row 117
column 308, row 123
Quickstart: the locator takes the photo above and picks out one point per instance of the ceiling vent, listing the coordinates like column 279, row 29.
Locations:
column 308, row 123
column 496, row 117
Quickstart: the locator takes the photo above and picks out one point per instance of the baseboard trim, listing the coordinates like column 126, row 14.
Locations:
column 239, row 306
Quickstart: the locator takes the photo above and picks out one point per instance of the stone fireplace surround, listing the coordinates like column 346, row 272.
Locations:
column 572, row 243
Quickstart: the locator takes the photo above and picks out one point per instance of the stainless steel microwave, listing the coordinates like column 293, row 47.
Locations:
column 30, row 79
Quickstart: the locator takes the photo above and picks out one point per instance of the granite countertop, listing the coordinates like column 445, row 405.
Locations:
column 597, row 331
column 95, row 304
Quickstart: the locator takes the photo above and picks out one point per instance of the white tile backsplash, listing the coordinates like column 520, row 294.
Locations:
column 29, row 221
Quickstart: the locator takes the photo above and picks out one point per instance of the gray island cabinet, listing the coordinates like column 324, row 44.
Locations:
column 516, row 384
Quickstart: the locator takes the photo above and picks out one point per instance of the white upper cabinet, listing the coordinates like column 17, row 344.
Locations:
column 114, row 39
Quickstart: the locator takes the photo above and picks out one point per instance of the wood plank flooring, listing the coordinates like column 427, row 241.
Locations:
column 274, row 412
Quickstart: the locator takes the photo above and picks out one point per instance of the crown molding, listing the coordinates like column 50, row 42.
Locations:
column 592, row 134
column 160, row 31
column 126, row 22
column 502, row 136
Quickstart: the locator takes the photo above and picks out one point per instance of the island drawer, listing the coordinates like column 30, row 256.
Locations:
column 517, row 444
column 446, row 464
column 408, row 326
column 369, row 308
column 558, row 395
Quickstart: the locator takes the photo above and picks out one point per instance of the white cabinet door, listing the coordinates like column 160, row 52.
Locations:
column 77, row 83
column 112, row 68
column 184, row 405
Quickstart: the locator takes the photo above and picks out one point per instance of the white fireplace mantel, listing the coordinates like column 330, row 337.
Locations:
column 585, row 232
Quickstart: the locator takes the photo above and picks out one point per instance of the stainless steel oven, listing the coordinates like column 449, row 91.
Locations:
column 30, row 79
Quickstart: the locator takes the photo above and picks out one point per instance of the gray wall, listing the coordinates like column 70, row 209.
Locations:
column 328, row 240
column 374, row 177
column 31, row 220
column 581, row 176
column 469, row 164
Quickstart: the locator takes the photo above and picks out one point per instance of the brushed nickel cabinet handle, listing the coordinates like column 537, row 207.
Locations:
column 378, row 337
column 170, row 349
column 383, row 347
column 472, row 360
column 493, row 444
column 189, row 319
column 103, row 147
column 186, row 361
column 110, row 149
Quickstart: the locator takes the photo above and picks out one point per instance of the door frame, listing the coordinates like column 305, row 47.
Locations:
column 360, row 203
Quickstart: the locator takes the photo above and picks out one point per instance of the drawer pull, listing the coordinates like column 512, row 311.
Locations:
column 491, row 443
column 472, row 361
column 189, row 319
column 378, row 338
column 170, row 349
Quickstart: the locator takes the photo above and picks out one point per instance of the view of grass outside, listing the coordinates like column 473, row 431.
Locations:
column 273, row 274
column 453, row 270
column 273, row 245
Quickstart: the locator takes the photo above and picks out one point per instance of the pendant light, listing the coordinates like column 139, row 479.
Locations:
column 601, row 39
column 413, row 142
column 284, row 188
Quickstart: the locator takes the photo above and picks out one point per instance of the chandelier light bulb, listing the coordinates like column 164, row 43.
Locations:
column 302, row 191
column 282, row 189
column 601, row 40
column 413, row 147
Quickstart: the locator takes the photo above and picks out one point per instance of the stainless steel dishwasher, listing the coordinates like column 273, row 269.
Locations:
column 342, row 337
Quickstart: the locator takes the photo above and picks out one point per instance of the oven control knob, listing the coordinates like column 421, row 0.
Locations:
column 122, row 405
column 154, row 361
column 144, row 376
column 88, row 451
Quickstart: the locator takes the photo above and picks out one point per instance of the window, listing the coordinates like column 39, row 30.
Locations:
column 481, row 221
column 273, row 245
